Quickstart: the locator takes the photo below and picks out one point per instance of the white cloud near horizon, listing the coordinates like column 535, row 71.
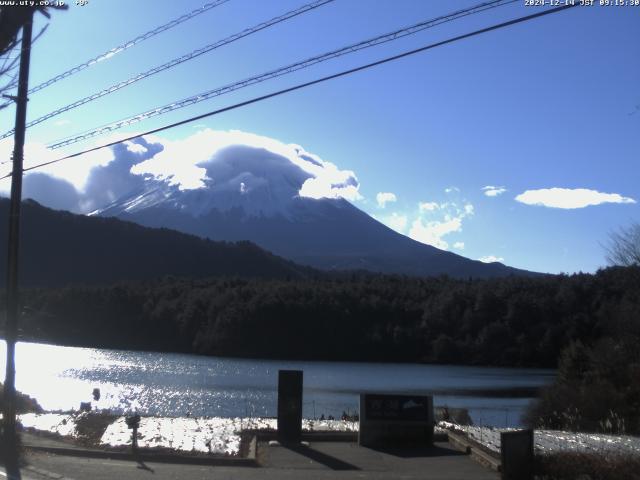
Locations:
column 397, row 222
column 385, row 197
column 491, row 259
column 569, row 198
column 431, row 231
column 458, row 245
column 493, row 191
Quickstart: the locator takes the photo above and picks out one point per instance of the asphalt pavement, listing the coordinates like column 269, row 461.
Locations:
column 315, row 461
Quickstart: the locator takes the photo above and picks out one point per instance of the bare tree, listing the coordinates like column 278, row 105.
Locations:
column 624, row 246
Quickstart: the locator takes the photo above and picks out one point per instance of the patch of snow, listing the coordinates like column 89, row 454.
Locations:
column 61, row 424
column 553, row 441
column 205, row 435
column 222, row 435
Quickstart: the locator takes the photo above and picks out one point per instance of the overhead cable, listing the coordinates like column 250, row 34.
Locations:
column 177, row 61
column 388, row 37
column 128, row 44
column 307, row 84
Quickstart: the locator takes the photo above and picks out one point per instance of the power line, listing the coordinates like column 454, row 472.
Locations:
column 128, row 44
column 308, row 84
column 388, row 37
column 177, row 61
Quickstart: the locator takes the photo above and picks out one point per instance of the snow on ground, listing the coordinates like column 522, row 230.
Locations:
column 553, row 441
column 214, row 435
column 207, row 435
column 222, row 435
column 62, row 424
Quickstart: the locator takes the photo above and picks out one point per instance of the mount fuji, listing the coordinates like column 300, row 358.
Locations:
column 283, row 199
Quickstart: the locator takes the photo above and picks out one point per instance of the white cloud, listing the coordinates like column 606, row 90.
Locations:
column 188, row 163
column 491, row 259
column 75, row 170
column 135, row 147
column 385, row 197
column 491, row 191
column 569, row 198
column 431, row 231
column 451, row 189
column 221, row 161
column 61, row 123
column 468, row 209
column 396, row 222
column 428, row 206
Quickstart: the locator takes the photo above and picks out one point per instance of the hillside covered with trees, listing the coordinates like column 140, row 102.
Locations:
column 512, row 321
column 60, row 248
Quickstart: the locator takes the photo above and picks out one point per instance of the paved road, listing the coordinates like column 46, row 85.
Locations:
column 321, row 460
column 24, row 476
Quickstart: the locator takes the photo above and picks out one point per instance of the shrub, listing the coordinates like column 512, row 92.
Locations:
column 587, row 466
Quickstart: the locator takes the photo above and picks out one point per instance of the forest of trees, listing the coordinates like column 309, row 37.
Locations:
column 597, row 388
column 589, row 324
column 514, row 321
column 94, row 250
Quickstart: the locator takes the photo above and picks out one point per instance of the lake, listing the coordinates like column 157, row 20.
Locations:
column 168, row 384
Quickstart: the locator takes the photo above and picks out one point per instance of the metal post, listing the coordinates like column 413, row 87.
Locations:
column 11, row 323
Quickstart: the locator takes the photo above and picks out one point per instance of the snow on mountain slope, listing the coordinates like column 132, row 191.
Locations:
column 279, row 196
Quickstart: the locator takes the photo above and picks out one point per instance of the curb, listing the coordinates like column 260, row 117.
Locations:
column 483, row 458
column 249, row 461
column 351, row 437
column 313, row 436
column 46, row 473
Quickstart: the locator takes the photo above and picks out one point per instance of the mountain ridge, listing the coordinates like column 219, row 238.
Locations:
column 325, row 233
column 59, row 248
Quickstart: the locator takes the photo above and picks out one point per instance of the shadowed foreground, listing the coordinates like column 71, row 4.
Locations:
column 319, row 460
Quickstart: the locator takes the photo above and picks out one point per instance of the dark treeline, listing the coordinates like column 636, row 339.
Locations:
column 94, row 250
column 597, row 388
column 514, row 321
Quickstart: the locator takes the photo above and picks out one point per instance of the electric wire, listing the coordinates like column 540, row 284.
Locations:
column 388, row 37
column 308, row 84
column 128, row 44
column 177, row 61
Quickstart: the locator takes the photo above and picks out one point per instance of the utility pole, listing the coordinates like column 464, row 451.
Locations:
column 11, row 323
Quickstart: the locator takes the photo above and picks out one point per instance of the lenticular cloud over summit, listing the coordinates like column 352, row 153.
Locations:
column 236, row 186
column 230, row 165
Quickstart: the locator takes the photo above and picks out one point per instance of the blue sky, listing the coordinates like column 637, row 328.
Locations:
column 547, row 112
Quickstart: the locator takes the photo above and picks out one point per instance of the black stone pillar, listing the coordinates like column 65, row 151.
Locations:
column 516, row 451
column 289, row 406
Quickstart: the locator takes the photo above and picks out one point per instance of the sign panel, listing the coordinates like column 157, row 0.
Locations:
column 388, row 420
column 397, row 407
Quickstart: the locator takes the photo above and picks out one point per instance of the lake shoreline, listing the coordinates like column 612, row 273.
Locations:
column 226, row 436
column 191, row 385
column 41, row 341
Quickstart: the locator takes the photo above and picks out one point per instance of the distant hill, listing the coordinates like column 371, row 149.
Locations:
column 59, row 248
